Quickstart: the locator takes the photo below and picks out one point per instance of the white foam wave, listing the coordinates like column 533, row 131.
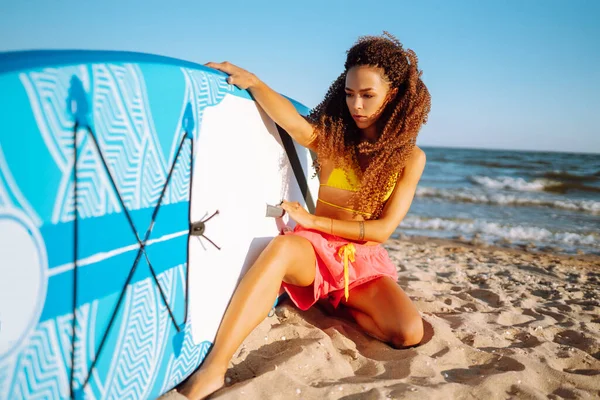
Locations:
column 520, row 184
column 494, row 231
column 467, row 196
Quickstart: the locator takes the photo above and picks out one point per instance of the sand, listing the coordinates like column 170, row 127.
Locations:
column 499, row 324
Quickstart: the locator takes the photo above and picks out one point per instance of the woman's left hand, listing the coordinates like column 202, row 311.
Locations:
column 298, row 213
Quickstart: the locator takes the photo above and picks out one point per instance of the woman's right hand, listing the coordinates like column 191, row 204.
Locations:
column 237, row 76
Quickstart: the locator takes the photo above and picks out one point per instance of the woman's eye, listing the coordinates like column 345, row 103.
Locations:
column 368, row 96
column 348, row 94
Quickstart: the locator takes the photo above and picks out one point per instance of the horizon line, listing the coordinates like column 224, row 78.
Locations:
column 460, row 147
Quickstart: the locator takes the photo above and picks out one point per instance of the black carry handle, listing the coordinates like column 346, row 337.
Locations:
column 290, row 149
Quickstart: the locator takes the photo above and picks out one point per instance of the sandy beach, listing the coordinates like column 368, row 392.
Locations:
column 500, row 323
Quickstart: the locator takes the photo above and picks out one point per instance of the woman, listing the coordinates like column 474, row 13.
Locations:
column 364, row 133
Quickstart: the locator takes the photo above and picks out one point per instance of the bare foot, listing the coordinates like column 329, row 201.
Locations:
column 202, row 383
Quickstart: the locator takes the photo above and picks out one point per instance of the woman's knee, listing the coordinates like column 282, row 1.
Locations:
column 279, row 244
column 285, row 246
column 409, row 333
column 295, row 256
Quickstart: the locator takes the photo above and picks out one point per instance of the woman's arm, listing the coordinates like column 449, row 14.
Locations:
column 395, row 210
column 353, row 230
column 277, row 107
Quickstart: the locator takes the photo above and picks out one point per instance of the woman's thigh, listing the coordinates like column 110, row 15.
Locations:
column 384, row 301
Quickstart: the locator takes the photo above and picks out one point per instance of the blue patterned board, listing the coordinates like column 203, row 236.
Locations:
column 116, row 326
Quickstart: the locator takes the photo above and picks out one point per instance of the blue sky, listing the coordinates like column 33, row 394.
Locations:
column 510, row 74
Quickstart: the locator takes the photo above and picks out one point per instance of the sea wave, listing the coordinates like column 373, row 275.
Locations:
column 565, row 176
column 537, row 185
column 496, row 164
column 493, row 231
column 507, row 182
column 500, row 199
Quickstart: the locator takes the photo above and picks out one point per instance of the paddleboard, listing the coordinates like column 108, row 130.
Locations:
column 133, row 190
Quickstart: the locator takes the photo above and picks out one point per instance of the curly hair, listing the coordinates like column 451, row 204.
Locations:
column 403, row 114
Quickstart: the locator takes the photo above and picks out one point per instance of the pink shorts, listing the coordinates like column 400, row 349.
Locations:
column 371, row 262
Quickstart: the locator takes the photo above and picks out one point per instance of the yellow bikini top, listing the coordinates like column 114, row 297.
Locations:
column 337, row 179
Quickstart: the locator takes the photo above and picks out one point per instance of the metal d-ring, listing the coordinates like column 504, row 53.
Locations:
column 197, row 228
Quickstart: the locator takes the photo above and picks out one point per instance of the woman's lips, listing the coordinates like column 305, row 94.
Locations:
column 359, row 117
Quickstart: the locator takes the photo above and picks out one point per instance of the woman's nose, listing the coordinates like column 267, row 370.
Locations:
column 357, row 104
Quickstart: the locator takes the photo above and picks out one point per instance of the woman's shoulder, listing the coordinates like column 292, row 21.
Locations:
column 417, row 158
column 414, row 165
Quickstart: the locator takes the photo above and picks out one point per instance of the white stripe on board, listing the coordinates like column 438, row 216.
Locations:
column 108, row 254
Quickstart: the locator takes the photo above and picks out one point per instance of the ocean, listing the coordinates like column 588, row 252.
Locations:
column 543, row 201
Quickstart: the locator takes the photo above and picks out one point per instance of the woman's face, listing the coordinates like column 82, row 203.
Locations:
column 366, row 94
